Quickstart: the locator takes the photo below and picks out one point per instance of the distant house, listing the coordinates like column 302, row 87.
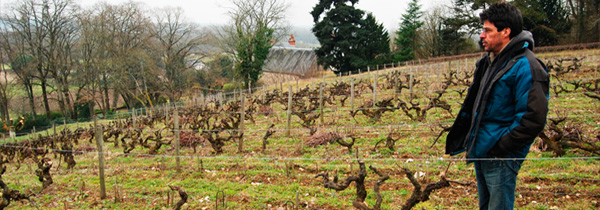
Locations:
column 285, row 58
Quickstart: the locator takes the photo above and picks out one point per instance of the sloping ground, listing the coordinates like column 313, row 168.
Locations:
column 283, row 175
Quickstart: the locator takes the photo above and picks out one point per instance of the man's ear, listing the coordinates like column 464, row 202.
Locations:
column 506, row 32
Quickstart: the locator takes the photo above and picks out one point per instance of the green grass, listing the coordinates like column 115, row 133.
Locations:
column 255, row 179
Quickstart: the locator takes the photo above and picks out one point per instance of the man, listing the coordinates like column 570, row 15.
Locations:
column 505, row 108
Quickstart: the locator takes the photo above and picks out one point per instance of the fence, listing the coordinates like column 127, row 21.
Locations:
column 249, row 167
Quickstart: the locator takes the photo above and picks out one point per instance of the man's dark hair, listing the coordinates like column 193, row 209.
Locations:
column 504, row 15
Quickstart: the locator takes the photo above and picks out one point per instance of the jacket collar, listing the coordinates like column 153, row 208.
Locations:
column 518, row 43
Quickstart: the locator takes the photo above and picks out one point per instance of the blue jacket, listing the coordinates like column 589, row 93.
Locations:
column 506, row 106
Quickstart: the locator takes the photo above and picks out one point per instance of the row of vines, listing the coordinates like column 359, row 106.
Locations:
column 374, row 115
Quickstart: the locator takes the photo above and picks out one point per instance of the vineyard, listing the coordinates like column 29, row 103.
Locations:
column 373, row 140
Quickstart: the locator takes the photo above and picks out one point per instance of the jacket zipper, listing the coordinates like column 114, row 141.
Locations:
column 472, row 135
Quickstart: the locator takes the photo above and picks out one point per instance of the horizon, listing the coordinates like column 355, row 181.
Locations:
column 214, row 12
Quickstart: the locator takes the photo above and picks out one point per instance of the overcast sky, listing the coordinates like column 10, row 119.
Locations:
column 212, row 12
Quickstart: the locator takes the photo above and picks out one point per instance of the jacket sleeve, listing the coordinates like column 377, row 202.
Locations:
column 531, row 107
column 457, row 136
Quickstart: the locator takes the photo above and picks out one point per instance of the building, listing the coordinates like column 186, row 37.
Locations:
column 285, row 58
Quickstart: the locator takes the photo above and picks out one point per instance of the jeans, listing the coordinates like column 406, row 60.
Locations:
column 496, row 182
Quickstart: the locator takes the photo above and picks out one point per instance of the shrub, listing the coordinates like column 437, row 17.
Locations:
column 230, row 87
column 55, row 115
column 39, row 121
column 83, row 107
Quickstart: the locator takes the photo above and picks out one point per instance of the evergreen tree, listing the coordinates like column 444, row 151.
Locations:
column 546, row 19
column 253, row 51
column 349, row 40
column 462, row 24
column 407, row 37
column 374, row 40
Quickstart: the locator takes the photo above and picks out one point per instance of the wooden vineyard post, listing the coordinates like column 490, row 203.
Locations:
column 297, row 201
column 264, row 92
column 352, row 94
column 133, row 118
column 54, row 134
column 99, row 141
column 289, row 112
column 12, row 134
column 438, row 71
column 396, row 88
column 428, row 75
column 221, row 99
column 374, row 89
column 466, row 66
column 410, row 82
column 177, row 145
column 242, row 118
column 321, row 102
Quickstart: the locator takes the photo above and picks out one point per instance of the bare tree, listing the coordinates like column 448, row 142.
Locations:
column 88, row 74
column 63, row 31
column 115, row 42
column 256, row 26
column 46, row 31
column 178, row 41
column 430, row 33
column 6, row 87
column 9, row 55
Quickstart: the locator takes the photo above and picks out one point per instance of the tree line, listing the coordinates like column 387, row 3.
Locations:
column 352, row 39
column 124, row 55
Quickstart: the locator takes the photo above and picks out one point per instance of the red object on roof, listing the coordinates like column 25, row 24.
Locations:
column 292, row 41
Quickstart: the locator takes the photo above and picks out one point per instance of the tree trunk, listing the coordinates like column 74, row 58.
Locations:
column 66, row 96
column 69, row 105
column 105, row 93
column 4, row 115
column 129, row 101
column 581, row 19
column 60, row 100
column 29, row 88
column 44, row 85
column 115, row 100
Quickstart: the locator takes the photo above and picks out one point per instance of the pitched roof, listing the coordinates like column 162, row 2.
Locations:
column 289, row 60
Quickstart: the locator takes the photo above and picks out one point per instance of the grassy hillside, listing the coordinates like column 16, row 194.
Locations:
column 284, row 174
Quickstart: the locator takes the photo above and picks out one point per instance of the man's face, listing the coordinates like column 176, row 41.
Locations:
column 492, row 39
